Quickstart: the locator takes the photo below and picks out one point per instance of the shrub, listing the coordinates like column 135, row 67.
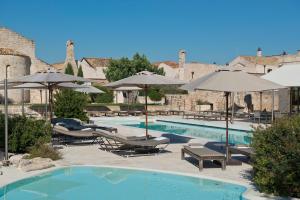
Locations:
column 107, row 97
column 276, row 164
column 70, row 104
column 155, row 94
column 25, row 132
column 40, row 149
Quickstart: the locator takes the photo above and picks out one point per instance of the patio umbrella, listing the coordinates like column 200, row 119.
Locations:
column 287, row 75
column 144, row 80
column 127, row 90
column 28, row 86
column 230, row 81
column 50, row 79
column 88, row 89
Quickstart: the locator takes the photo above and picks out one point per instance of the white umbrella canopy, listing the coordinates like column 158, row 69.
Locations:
column 48, row 77
column 88, row 89
column 287, row 75
column 230, row 81
column 132, row 88
column 40, row 86
column 144, row 79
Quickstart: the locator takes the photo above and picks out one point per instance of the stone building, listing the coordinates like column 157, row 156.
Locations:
column 92, row 68
column 19, row 53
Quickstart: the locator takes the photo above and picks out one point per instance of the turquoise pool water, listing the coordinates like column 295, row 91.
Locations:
column 213, row 133
column 91, row 183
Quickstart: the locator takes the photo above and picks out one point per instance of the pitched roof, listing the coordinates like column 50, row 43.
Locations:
column 7, row 51
column 59, row 66
column 97, row 62
column 262, row 60
column 170, row 63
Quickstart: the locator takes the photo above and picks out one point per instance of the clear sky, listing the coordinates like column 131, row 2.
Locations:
column 209, row 30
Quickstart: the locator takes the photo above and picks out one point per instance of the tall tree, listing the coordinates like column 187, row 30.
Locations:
column 69, row 69
column 122, row 68
column 80, row 72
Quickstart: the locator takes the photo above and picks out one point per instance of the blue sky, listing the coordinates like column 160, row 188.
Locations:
column 209, row 30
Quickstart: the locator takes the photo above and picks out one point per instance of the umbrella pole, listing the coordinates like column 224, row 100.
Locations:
column 146, row 110
column 226, row 106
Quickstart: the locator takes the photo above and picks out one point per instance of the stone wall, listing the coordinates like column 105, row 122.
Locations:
column 13, row 40
column 188, row 102
column 19, row 66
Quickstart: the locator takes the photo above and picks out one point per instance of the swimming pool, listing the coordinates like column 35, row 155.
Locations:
column 213, row 133
column 78, row 183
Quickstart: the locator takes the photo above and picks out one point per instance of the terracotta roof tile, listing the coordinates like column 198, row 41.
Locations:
column 97, row 62
column 59, row 66
column 263, row 60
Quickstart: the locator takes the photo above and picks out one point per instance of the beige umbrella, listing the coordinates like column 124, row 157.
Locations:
column 50, row 79
column 88, row 89
column 127, row 90
column 144, row 80
column 230, row 81
column 287, row 75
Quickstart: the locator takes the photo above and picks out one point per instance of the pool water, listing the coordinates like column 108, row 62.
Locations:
column 89, row 183
column 213, row 133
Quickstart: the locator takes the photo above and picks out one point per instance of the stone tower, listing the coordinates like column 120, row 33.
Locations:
column 70, row 58
column 181, row 62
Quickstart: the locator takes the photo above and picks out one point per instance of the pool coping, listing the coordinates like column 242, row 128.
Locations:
column 249, row 193
column 202, row 125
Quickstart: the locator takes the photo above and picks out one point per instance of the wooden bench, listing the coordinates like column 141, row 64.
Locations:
column 202, row 154
column 246, row 151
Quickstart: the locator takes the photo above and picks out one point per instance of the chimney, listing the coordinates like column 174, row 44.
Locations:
column 181, row 61
column 259, row 52
column 70, row 58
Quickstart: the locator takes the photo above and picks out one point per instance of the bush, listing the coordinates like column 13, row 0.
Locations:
column 155, row 94
column 70, row 104
column 107, row 97
column 276, row 164
column 24, row 132
column 40, row 149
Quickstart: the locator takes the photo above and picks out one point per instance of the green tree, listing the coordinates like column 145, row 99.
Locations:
column 80, row 72
column 276, row 163
column 69, row 69
column 70, row 104
column 122, row 68
column 106, row 97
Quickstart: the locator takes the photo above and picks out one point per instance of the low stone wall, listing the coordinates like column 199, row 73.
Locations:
column 189, row 101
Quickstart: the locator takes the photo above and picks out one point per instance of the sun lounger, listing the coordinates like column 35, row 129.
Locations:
column 76, row 124
column 162, row 112
column 63, row 135
column 175, row 112
column 244, row 150
column 121, row 112
column 135, row 112
column 203, row 153
column 117, row 142
column 189, row 115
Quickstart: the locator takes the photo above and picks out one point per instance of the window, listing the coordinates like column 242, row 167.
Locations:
column 193, row 74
